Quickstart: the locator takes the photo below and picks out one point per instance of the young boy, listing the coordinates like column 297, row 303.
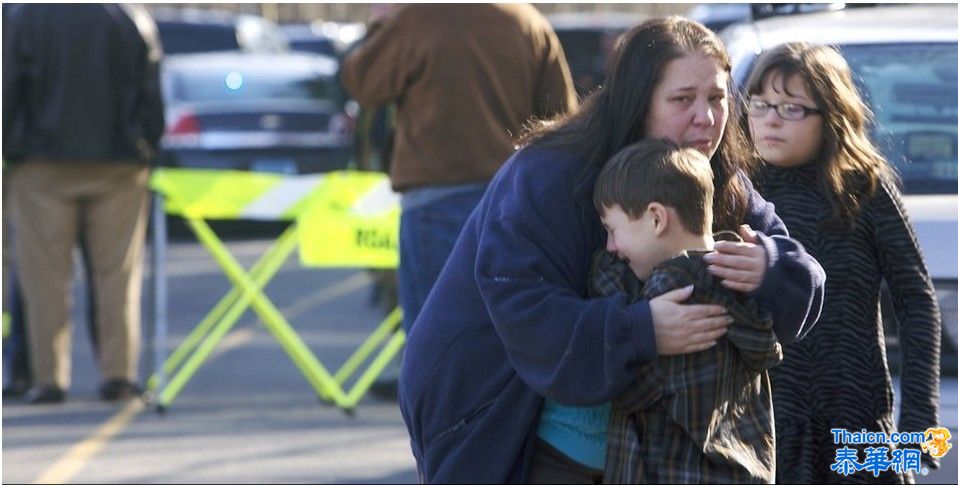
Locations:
column 697, row 418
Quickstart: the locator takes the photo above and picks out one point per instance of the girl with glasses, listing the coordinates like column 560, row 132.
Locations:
column 841, row 200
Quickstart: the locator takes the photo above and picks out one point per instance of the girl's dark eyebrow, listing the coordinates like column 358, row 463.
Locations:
column 799, row 98
column 785, row 93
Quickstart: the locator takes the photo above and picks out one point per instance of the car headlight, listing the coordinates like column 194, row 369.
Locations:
column 948, row 304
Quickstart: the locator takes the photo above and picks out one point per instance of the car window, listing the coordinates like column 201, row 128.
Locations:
column 182, row 38
column 913, row 91
column 317, row 45
column 587, row 51
column 214, row 86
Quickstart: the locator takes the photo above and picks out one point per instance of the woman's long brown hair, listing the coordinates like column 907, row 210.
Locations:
column 613, row 117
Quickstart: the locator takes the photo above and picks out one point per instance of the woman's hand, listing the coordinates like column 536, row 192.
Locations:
column 684, row 329
column 741, row 265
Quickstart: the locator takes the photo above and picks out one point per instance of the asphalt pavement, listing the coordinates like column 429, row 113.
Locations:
column 248, row 415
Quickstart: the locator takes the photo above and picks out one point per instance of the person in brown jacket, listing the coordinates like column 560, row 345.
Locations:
column 466, row 79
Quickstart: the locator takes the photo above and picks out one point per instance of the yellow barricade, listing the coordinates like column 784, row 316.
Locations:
column 340, row 219
column 353, row 221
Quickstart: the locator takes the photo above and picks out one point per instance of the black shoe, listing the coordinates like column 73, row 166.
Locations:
column 45, row 395
column 16, row 388
column 387, row 389
column 119, row 390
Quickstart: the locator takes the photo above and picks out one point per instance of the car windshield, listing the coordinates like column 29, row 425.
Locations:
column 913, row 91
column 184, row 37
column 218, row 86
column 315, row 45
column 586, row 51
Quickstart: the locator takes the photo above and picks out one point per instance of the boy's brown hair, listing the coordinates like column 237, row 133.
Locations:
column 658, row 171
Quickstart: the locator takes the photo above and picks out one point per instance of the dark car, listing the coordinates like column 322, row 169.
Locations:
column 905, row 63
column 587, row 39
column 264, row 112
column 185, row 31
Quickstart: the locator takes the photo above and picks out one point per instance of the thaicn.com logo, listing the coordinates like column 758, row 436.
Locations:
column 887, row 454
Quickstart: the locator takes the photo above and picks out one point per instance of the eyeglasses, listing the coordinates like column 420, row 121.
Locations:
column 786, row 111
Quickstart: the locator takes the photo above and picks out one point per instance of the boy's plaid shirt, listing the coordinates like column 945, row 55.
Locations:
column 697, row 418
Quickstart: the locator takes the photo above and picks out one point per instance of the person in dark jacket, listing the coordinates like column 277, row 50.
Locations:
column 841, row 200
column 509, row 322
column 82, row 117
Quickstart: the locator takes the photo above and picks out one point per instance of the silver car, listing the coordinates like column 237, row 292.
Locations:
column 905, row 62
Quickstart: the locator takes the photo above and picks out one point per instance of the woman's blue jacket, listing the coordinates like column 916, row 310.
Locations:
column 508, row 322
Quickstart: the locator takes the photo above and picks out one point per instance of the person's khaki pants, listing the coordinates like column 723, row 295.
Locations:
column 106, row 204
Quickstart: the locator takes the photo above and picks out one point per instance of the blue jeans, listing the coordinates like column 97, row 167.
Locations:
column 430, row 224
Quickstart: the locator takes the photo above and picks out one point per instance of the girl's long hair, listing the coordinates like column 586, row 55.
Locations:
column 850, row 168
column 613, row 116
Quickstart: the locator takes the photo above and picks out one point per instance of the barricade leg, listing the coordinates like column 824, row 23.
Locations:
column 314, row 371
column 234, row 303
column 386, row 328
column 372, row 372
column 196, row 359
column 160, row 321
column 216, row 328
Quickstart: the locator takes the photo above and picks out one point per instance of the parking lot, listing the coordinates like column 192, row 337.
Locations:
column 247, row 416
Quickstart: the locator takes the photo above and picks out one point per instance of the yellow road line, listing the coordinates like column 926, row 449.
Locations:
column 64, row 469
column 68, row 465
